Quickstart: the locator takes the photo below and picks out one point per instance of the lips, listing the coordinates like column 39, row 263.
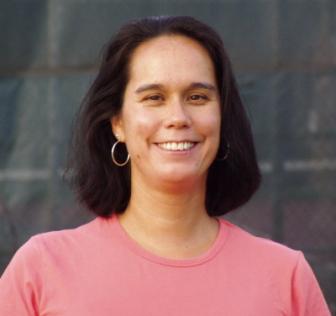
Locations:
column 177, row 146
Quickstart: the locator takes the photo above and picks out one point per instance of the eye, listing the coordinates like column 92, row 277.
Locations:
column 154, row 97
column 198, row 98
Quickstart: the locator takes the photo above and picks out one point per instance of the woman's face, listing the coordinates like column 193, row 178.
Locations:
column 170, row 117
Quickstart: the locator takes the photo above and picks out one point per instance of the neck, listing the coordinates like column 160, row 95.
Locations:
column 171, row 223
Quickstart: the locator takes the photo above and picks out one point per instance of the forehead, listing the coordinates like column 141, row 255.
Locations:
column 168, row 57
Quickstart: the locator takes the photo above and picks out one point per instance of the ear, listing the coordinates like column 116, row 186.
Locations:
column 118, row 127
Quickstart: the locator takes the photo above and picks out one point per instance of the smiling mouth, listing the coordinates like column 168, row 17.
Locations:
column 177, row 146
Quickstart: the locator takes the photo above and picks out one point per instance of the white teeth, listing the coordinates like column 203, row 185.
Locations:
column 176, row 146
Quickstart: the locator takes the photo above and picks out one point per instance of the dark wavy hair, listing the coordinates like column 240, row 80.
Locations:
column 105, row 188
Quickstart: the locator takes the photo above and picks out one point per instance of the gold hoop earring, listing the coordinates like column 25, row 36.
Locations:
column 119, row 164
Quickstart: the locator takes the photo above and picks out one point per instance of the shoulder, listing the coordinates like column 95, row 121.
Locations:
column 55, row 243
column 288, row 275
column 65, row 238
column 261, row 256
column 250, row 243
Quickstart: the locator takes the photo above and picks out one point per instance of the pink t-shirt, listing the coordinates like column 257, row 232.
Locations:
column 98, row 270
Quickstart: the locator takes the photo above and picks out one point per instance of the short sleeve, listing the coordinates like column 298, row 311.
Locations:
column 20, row 284
column 307, row 297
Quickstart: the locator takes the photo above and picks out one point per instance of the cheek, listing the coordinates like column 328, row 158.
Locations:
column 211, row 124
column 140, row 127
column 216, row 120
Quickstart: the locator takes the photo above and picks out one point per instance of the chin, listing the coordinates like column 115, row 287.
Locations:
column 177, row 176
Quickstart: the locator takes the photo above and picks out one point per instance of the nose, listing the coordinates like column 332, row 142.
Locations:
column 177, row 115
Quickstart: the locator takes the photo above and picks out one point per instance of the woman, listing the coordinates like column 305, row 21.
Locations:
column 166, row 104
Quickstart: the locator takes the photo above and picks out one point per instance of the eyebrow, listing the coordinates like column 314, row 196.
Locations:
column 202, row 85
column 193, row 85
column 150, row 86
